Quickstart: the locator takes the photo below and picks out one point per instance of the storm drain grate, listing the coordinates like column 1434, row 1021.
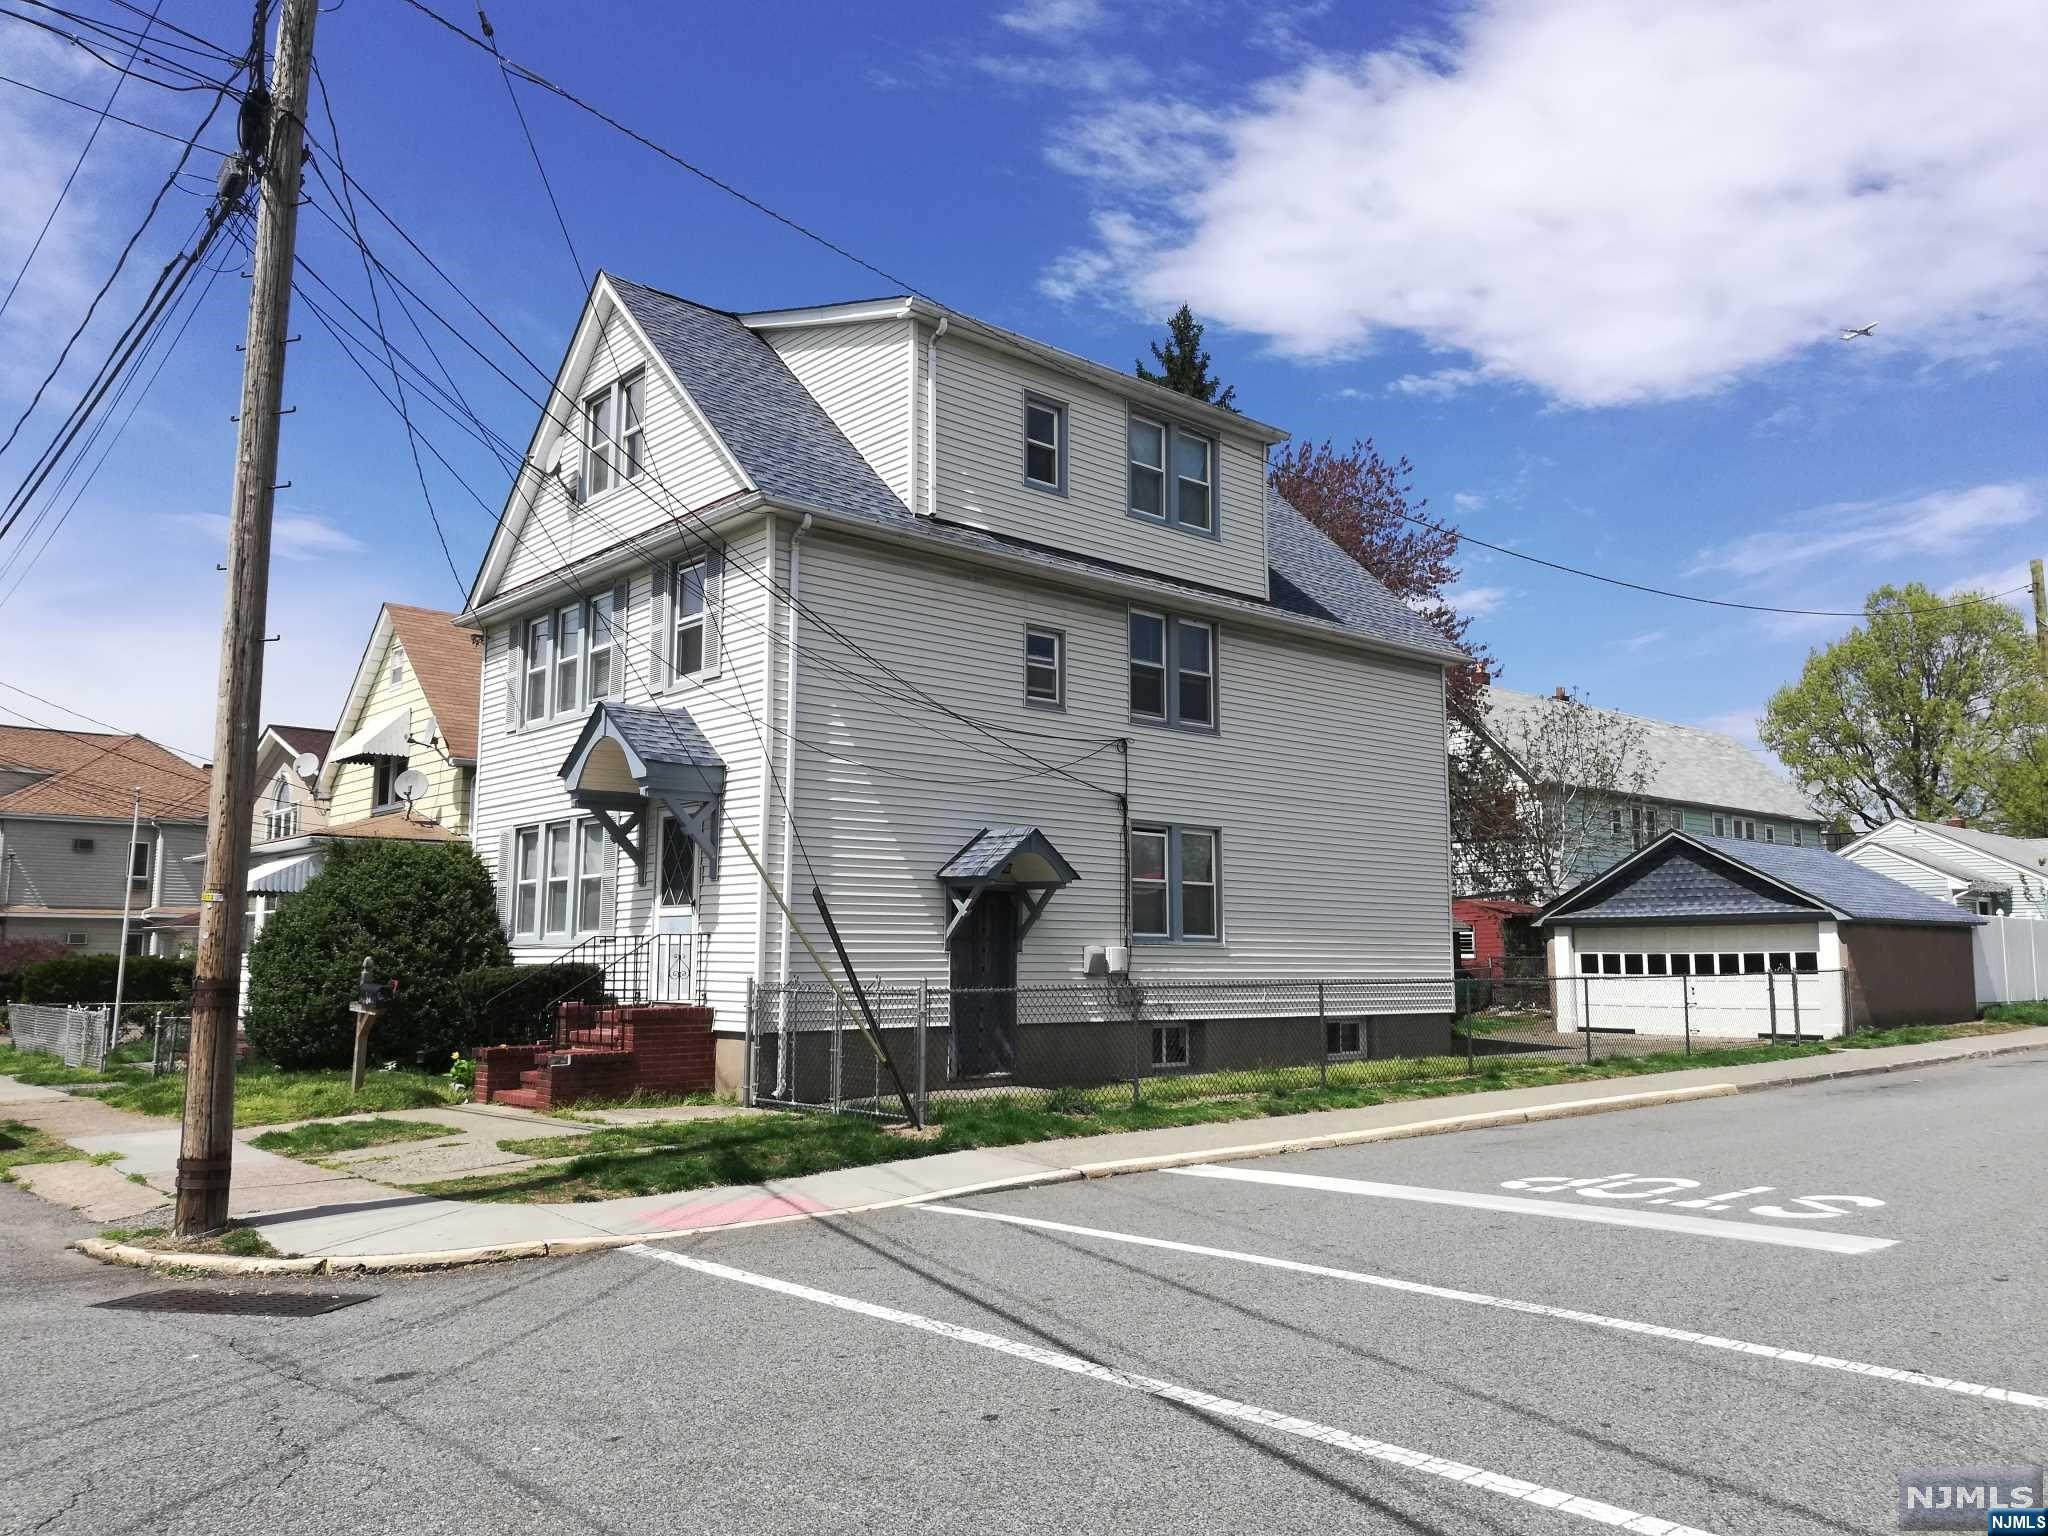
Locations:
column 241, row 1303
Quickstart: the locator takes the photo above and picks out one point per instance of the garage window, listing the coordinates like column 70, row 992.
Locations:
column 1731, row 965
column 1781, row 962
column 1752, row 963
column 1589, row 965
column 1610, row 965
column 1655, row 965
column 1632, row 965
column 1681, row 965
column 1806, row 960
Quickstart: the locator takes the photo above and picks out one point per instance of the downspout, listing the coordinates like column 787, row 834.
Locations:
column 795, row 613
column 931, row 418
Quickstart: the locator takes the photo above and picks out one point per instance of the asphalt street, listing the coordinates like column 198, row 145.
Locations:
column 1426, row 1335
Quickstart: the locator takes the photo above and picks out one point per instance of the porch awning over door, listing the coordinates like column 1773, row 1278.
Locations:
column 626, row 756
column 283, row 876
column 1020, row 859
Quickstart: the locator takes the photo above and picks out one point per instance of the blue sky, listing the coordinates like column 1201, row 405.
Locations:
column 1582, row 261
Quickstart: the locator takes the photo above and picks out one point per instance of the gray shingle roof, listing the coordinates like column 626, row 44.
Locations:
column 662, row 735
column 2028, row 852
column 794, row 452
column 991, row 849
column 1674, row 880
column 1687, row 764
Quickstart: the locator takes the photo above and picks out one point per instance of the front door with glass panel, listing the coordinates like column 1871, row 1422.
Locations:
column 675, row 914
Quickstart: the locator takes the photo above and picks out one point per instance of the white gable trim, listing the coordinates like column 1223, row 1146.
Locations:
column 560, row 410
column 367, row 667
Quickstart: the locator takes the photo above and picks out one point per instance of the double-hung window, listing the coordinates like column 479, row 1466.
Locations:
column 589, row 875
column 568, row 655
column 687, row 655
column 1045, row 667
column 556, row 917
column 1176, row 884
column 138, row 863
column 538, row 652
column 1172, row 474
column 1045, row 443
column 1173, row 669
column 599, row 663
column 614, row 434
column 526, row 882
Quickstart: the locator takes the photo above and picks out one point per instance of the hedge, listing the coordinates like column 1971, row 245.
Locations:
column 425, row 913
column 512, row 1004
column 90, row 979
column 17, row 955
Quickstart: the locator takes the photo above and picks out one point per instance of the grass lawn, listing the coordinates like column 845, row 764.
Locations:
column 2017, row 1013
column 265, row 1095
column 243, row 1242
column 43, row 1070
column 324, row 1138
column 662, row 1159
column 25, row 1144
column 1922, row 1034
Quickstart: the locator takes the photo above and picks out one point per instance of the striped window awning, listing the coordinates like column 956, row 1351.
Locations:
column 280, row 877
column 385, row 736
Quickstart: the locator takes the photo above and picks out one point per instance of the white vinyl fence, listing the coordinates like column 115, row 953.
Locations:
column 77, row 1035
column 2011, row 955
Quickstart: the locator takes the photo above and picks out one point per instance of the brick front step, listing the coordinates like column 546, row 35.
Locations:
column 663, row 1048
column 520, row 1098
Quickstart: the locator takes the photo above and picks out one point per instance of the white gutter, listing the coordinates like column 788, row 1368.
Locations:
column 931, row 417
column 789, row 749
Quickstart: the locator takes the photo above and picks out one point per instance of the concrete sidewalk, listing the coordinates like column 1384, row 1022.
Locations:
column 395, row 1230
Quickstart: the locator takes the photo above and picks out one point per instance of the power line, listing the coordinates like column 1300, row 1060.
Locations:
column 92, row 138
column 112, row 117
column 89, row 719
column 1683, row 597
column 532, row 148
column 193, row 80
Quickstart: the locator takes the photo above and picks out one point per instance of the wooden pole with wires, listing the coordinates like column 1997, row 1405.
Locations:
column 2040, row 611
column 272, row 144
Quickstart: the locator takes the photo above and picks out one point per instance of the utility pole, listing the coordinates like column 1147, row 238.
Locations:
column 272, row 143
column 2040, row 611
column 127, row 902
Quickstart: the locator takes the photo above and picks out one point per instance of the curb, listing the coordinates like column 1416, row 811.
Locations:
column 462, row 1258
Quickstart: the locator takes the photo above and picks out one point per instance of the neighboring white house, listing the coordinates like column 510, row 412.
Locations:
column 1983, row 872
column 1021, row 648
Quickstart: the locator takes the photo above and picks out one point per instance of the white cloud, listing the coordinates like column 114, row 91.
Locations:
column 1617, row 202
column 2013, row 581
column 1093, row 74
column 1940, row 522
column 1282, row 29
column 1477, row 602
column 1646, row 639
column 1468, row 501
column 293, row 536
column 1054, row 18
column 1739, row 723
column 1440, row 385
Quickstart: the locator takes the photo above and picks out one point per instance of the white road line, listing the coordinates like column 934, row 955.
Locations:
column 1660, row 1221
column 1889, row 1373
column 1610, row 1515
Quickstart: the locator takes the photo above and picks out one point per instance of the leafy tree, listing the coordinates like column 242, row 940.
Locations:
column 1929, row 709
column 1183, row 365
column 1367, row 505
column 424, row 913
column 1581, row 772
column 2019, row 791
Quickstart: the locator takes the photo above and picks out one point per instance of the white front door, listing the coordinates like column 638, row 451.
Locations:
column 673, row 978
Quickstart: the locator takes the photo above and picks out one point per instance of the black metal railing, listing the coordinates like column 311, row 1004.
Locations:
column 566, row 1000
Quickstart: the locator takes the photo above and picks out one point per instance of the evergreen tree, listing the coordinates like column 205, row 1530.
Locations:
column 1184, row 366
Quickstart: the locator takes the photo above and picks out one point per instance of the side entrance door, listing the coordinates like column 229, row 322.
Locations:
column 984, row 973
column 672, row 978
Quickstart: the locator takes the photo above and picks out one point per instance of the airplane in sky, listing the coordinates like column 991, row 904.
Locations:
column 1861, row 330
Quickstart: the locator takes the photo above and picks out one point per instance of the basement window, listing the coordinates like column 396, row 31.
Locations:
column 1343, row 1037
column 1169, row 1045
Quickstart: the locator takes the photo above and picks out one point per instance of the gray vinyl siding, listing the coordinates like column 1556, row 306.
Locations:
column 981, row 475
column 862, row 375
column 102, row 934
column 691, row 471
column 1881, row 853
column 519, row 784
column 1326, row 782
column 44, row 871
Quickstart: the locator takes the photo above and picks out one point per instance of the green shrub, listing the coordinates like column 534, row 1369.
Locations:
column 425, row 913
column 90, row 979
column 512, row 1004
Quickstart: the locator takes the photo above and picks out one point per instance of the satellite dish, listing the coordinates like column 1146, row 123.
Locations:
column 410, row 785
column 307, row 765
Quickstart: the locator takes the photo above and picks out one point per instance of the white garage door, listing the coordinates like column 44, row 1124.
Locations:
column 1717, row 980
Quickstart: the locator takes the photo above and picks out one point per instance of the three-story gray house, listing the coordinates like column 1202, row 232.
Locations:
column 1007, row 653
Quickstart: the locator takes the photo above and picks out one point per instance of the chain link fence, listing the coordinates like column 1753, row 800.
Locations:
column 85, row 1034
column 1121, row 1042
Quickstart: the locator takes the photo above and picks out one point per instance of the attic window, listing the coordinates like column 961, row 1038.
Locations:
column 81, row 845
column 614, row 434
column 397, row 672
column 1172, row 475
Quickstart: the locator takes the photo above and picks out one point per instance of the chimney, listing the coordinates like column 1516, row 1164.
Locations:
column 1560, row 695
column 1956, row 821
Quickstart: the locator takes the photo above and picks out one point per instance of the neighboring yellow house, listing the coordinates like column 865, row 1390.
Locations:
column 412, row 707
column 411, row 710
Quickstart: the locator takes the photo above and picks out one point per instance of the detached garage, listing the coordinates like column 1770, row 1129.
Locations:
column 1735, row 938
